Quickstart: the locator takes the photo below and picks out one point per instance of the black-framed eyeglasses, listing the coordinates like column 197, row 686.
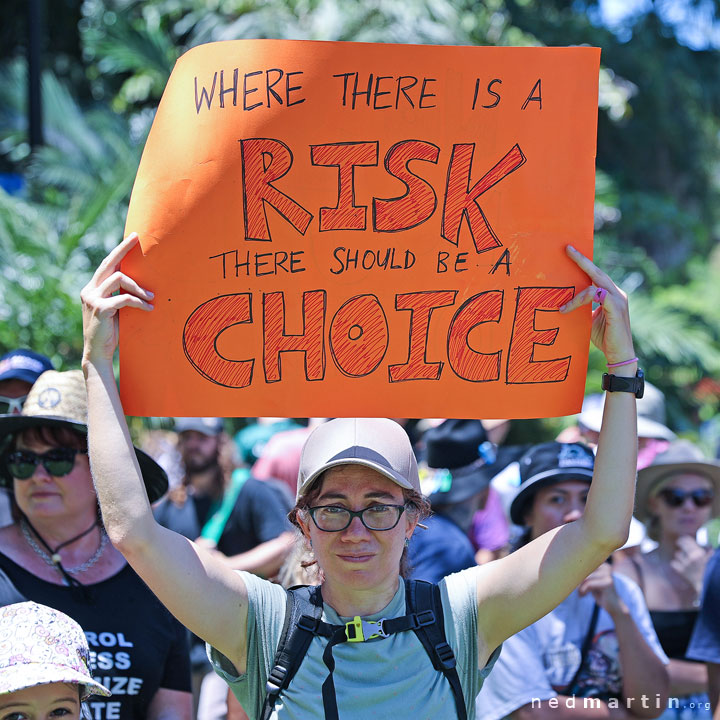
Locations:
column 11, row 404
column 674, row 497
column 333, row 518
column 57, row 461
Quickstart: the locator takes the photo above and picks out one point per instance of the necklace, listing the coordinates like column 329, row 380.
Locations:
column 54, row 560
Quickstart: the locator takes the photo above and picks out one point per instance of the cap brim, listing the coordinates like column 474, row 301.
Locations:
column 154, row 477
column 28, row 675
column 27, row 376
column 648, row 477
column 529, row 488
column 11, row 424
column 395, row 477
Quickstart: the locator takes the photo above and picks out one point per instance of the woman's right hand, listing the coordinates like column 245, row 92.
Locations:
column 100, row 304
column 689, row 562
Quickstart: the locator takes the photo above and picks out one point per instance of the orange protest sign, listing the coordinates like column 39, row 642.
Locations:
column 336, row 229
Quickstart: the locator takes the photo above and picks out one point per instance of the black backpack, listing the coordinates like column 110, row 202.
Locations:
column 303, row 621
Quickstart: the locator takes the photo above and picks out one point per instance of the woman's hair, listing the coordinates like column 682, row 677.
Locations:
column 53, row 435
column 416, row 505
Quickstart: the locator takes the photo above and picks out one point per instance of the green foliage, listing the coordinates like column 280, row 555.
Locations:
column 50, row 241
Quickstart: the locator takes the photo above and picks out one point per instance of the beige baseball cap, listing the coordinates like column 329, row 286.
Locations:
column 376, row 443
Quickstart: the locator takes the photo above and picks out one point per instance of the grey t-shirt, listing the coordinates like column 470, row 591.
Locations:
column 386, row 679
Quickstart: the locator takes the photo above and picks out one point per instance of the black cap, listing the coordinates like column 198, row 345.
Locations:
column 547, row 464
column 454, row 443
column 458, row 453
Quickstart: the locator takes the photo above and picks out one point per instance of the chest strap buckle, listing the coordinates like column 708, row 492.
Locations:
column 359, row 630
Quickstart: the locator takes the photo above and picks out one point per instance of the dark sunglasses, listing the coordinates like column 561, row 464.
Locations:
column 674, row 498
column 58, row 461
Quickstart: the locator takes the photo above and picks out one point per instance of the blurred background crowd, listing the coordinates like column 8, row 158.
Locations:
column 79, row 83
column 646, row 622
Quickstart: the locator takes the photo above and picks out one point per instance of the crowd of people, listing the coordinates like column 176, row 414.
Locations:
column 451, row 573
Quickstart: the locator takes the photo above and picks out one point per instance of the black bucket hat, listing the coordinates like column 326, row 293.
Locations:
column 457, row 456
column 59, row 399
column 548, row 464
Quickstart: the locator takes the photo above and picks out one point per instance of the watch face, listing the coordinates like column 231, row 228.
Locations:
column 640, row 379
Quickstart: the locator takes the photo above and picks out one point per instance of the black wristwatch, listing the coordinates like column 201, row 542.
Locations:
column 615, row 383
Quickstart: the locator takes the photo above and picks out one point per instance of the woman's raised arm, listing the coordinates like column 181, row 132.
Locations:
column 198, row 589
column 519, row 589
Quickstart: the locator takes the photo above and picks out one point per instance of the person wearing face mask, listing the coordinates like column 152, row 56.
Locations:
column 453, row 479
column 598, row 644
column 44, row 665
column 676, row 495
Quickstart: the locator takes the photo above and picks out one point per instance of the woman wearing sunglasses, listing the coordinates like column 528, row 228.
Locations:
column 357, row 505
column 676, row 496
column 57, row 553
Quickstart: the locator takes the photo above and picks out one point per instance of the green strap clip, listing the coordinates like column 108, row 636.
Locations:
column 359, row 630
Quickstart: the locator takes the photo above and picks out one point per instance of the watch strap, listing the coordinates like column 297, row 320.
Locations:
column 617, row 383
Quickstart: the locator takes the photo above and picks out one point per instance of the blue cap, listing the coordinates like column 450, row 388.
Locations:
column 23, row 365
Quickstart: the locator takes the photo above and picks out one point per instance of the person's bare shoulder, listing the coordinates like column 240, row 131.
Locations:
column 627, row 566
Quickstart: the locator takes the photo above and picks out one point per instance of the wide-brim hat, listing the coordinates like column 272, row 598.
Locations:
column 680, row 457
column 377, row 443
column 650, row 414
column 59, row 399
column 549, row 464
column 39, row 646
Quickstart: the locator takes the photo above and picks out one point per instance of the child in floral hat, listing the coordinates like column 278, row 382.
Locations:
column 44, row 664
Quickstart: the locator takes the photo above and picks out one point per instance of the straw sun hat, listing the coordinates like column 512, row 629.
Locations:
column 681, row 457
column 59, row 399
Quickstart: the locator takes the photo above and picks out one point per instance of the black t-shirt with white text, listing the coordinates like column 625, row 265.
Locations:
column 136, row 645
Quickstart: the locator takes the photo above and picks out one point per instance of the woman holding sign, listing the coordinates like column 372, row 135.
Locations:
column 355, row 646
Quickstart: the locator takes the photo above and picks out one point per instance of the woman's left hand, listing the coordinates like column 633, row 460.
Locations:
column 611, row 319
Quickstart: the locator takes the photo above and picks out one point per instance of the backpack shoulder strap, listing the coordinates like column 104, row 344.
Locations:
column 422, row 597
column 302, row 614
